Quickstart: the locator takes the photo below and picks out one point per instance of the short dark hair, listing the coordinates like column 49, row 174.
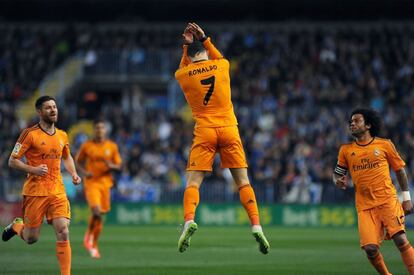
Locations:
column 98, row 120
column 372, row 118
column 195, row 48
column 43, row 99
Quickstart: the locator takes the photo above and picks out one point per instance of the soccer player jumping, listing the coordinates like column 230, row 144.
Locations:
column 368, row 160
column 44, row 146
column 204, row 77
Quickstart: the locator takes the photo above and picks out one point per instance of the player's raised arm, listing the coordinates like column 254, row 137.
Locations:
column 187, row 39
column 199, row 34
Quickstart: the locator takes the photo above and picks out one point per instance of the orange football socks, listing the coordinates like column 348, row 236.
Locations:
column 407, row 255
column 64, row 255
column 97, row 231
column 248, row 200
column 190, row 202
column 18, row 228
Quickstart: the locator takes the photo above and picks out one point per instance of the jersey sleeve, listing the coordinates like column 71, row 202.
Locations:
column 23, row 144
column 116, row 156
column 341, row 166
column 66, row 148
column 213, row 52
column 393, row 157
column 184, row 58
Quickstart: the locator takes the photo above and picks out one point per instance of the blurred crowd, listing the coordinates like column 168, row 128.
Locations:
column 293, row 90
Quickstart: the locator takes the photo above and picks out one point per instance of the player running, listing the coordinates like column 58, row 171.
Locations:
column 96, row 159
column 44, row 146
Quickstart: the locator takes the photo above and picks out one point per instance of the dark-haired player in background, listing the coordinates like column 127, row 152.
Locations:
column 204, row 77
column 368, row 160
column 44, row 146
column 96, row 159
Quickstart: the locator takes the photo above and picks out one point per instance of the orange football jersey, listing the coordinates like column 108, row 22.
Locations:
column 95, row 154
column 206, row 87
column 369, row 167
column 39, row 147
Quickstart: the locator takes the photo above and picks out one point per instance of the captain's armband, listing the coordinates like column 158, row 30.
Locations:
column 340, row 170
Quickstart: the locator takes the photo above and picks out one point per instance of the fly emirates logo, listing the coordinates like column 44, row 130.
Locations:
column 366, row 164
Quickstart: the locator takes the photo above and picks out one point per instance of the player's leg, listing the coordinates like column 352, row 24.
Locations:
column 63, row 249
column 371, row 235
column 93, row 198
column 58, row 214
column 248, row 200
column 233, row 157
column 376, row 259
column 200, row 160
column 393, row 219
column 17, row 227
column 406, row 250
column 97, row 214
column 28, row 228
column 190, row 203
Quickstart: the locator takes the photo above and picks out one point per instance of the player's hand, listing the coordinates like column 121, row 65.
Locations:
column 196, row 30
column 407, row 207
column 341, row 182
column 188, row 37
column 76, row 179
column 40, row 170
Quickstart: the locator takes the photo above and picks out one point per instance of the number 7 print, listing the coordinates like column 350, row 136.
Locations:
column 208, row 81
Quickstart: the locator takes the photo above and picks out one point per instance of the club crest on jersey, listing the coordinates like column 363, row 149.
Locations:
column 61, row 144
column 16, row 148
column 376, row 152
column 107, row 152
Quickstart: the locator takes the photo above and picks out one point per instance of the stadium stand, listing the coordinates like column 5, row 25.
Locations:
column 293, row 88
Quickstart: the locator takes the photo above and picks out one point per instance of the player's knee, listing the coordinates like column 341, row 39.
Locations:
column 31, row 239
column 371, row 250
column 97, row 215
column 400, row 239
column 63, row 233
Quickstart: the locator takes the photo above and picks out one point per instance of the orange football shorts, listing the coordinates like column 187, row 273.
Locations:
column 36, row 207
column 98, row 195
column 224, row 140
column 380, row 223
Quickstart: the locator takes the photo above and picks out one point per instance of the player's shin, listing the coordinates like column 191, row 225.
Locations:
column 97, row 232
column 190, row 202
column 378, row 262
column 64, row 255
column 248, row 200
column 407, row 255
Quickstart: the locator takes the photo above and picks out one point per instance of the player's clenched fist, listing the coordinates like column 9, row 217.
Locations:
column 407, row 207
column 76, row 179
column 341, row 182
column 40, row 170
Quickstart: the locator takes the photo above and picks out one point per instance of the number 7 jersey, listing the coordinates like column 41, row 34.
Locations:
column 206, row 87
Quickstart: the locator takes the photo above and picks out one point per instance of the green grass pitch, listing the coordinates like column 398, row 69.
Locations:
column 214, row 250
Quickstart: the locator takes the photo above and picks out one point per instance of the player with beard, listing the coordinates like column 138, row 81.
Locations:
column 44, row 147
column 368, row 159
